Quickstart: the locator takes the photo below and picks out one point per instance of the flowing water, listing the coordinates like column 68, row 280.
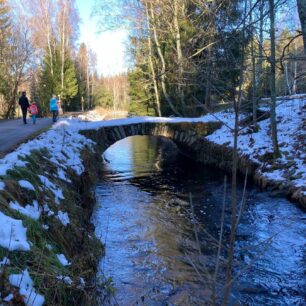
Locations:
column 159, row 216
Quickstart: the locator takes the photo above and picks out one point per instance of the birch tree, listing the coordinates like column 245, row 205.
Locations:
column 43, row 26
column 150, row 57
column 67, row 28
column 154, row 18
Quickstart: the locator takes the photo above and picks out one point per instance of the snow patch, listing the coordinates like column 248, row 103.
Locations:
column 25, row 284
column 26, row 184
column 4, row 262
column 2, row 186
column 58, row 193
column 63, row 217
column 13, row 234
column 31, row 211
column 61, row 175
column 8, row 298
column 63, row 260
column 65, row 279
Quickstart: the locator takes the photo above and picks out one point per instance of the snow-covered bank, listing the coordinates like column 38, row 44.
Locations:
column 45, row 219
column 290, row 168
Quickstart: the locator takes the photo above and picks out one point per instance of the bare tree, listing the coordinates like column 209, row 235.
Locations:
column 16, row 61
column 154, row 23
column 179, row 52
column 42, row 22
column 276, row 151
column 151, row 64
column 302, row 14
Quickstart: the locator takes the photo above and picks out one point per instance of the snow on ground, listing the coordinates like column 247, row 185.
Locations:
column 58, row 193
column 61, row 175
column 8, row 298
column 31, row 211
column 63, row 260
column 26, row 184
column 4, row 262
column 13, row 234
column 291, row 138
column 63, row 217
column 65, row 279
column 25, row 284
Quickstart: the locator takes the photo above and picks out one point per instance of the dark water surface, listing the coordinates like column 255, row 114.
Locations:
column 161, row 250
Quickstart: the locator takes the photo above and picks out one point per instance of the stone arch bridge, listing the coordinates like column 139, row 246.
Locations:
column 188, row 136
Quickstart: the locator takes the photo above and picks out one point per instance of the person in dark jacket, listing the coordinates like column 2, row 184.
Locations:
column 24, row 104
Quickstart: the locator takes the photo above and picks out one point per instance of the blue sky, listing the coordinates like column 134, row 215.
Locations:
column 108, row 46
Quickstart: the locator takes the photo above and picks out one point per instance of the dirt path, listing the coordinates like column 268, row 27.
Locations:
column 14, row 132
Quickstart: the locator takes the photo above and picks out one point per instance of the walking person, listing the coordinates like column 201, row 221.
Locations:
column 33, row 111
column 54, row 107
column 24, row 104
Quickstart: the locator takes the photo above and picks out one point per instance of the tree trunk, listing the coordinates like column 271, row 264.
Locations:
column 287, row 79
column 82, row 104
column 157, row 99
column 46, row 21
column 276, row 152
column 260, row 51
column 302, row 14
column 163, row 69
column 179, row 55
column 294, row 78
column 208, row 81
column 254, row 99
column 87, row 87
column 63, row 49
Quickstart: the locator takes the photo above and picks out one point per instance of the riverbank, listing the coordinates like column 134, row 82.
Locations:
column 48, row 251
column 287, row 174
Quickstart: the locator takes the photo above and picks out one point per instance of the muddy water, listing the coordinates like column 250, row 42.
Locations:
column 162, row 250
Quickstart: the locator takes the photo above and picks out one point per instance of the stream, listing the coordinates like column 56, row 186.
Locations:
column 159, row 215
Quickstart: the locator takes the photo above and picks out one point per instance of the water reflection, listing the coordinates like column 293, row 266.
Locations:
column 144, row 217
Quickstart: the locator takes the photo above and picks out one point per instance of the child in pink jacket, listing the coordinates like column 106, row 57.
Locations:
column 33, row 111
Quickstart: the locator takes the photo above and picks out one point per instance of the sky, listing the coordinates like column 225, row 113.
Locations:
column 108, row 46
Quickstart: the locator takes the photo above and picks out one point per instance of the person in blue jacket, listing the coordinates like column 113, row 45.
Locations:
column 54, row 107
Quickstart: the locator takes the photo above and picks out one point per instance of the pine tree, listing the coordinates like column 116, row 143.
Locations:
column 70, row 89
column 50, row 84
column 103, row 97
column 82, row 63
column 48, row 79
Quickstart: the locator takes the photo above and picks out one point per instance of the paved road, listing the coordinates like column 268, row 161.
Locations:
column 14, row 132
